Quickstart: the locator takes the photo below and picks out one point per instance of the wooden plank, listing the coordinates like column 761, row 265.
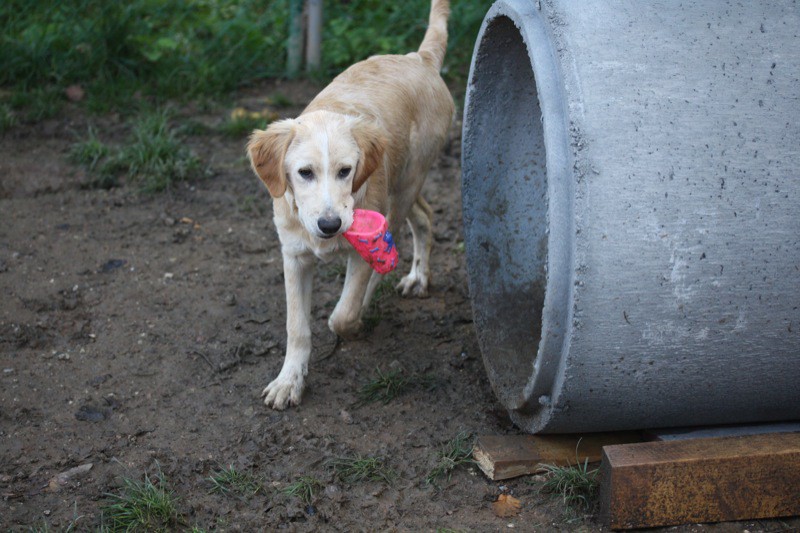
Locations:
column 702, row 480
column 507, row 456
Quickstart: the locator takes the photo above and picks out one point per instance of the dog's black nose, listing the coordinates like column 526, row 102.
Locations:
column 329, row 225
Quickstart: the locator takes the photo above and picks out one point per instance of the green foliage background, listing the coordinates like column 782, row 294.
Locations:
column 185, row 49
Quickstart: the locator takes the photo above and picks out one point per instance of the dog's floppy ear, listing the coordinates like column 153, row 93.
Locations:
column 267, row 149
column 371, row 144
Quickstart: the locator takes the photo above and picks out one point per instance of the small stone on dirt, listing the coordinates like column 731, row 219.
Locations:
column 89, row 413
column 61, row 480
column 112, row 264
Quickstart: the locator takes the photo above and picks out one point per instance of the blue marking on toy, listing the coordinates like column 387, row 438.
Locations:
column 374, row 250
column 387, row 238
column 365, row 241
column 379, row 260
column 378, row 236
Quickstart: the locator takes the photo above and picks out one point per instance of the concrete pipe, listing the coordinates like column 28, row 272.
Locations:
column 631, row 198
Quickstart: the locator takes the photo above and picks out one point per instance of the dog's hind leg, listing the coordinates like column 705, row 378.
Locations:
column 419, row 219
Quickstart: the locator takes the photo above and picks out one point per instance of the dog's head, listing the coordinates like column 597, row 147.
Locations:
column 322, row 159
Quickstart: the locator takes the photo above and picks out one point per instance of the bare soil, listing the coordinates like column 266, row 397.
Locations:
column 137, row 332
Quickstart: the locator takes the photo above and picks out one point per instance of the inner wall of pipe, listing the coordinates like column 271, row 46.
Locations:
column 505, row 208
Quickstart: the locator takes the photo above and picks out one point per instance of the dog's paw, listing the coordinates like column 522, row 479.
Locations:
column 414, row 285
column 284, row 391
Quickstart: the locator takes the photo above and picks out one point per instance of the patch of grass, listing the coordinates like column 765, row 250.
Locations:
column 154, row 157
column 576, row 484
column 358, row 469
column 278, row 99
column 384, row 388
column 455, row 452
column 141, row 506
column 304, row 488
column 232, row 482
column 7, row 118
column 89, row 152
column 38, row 103
column 193, row 127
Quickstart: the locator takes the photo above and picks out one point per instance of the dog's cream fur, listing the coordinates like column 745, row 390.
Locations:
column 366, row 141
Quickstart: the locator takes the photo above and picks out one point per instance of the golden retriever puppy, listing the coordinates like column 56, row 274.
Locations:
column 366, row 141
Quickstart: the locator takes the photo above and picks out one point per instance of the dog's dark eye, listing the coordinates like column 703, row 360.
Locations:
column 306, row 173
column 344, row 172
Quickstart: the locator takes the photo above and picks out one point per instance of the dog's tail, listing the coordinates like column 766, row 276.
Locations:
column 434, row 45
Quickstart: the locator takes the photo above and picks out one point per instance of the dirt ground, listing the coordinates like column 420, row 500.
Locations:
column 137, row 331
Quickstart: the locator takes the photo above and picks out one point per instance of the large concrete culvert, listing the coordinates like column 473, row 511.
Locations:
column 631, row 197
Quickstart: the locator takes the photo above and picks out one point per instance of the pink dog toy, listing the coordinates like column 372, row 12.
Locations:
column 370, row 236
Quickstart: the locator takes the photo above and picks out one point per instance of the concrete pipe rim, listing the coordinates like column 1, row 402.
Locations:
column 515, row 81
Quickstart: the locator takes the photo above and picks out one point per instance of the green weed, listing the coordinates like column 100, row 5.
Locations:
column 384, row 388
column 357, row 469
column 304, row 488
column 278, row 99
column 89, row 152
column 576, row 484
column 454, row 453
column 154, row 157
column 37, row 103
column 7, row 118
column 233, row 482
column 141, row 506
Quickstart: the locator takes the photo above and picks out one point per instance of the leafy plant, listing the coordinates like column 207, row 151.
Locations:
column 455, row 452
column 121, row 51
column 358, row 468
column 171, row 49
column 141, row 506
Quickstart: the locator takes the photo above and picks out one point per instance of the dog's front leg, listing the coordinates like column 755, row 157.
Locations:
column 287, row 388
column 345, row 320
